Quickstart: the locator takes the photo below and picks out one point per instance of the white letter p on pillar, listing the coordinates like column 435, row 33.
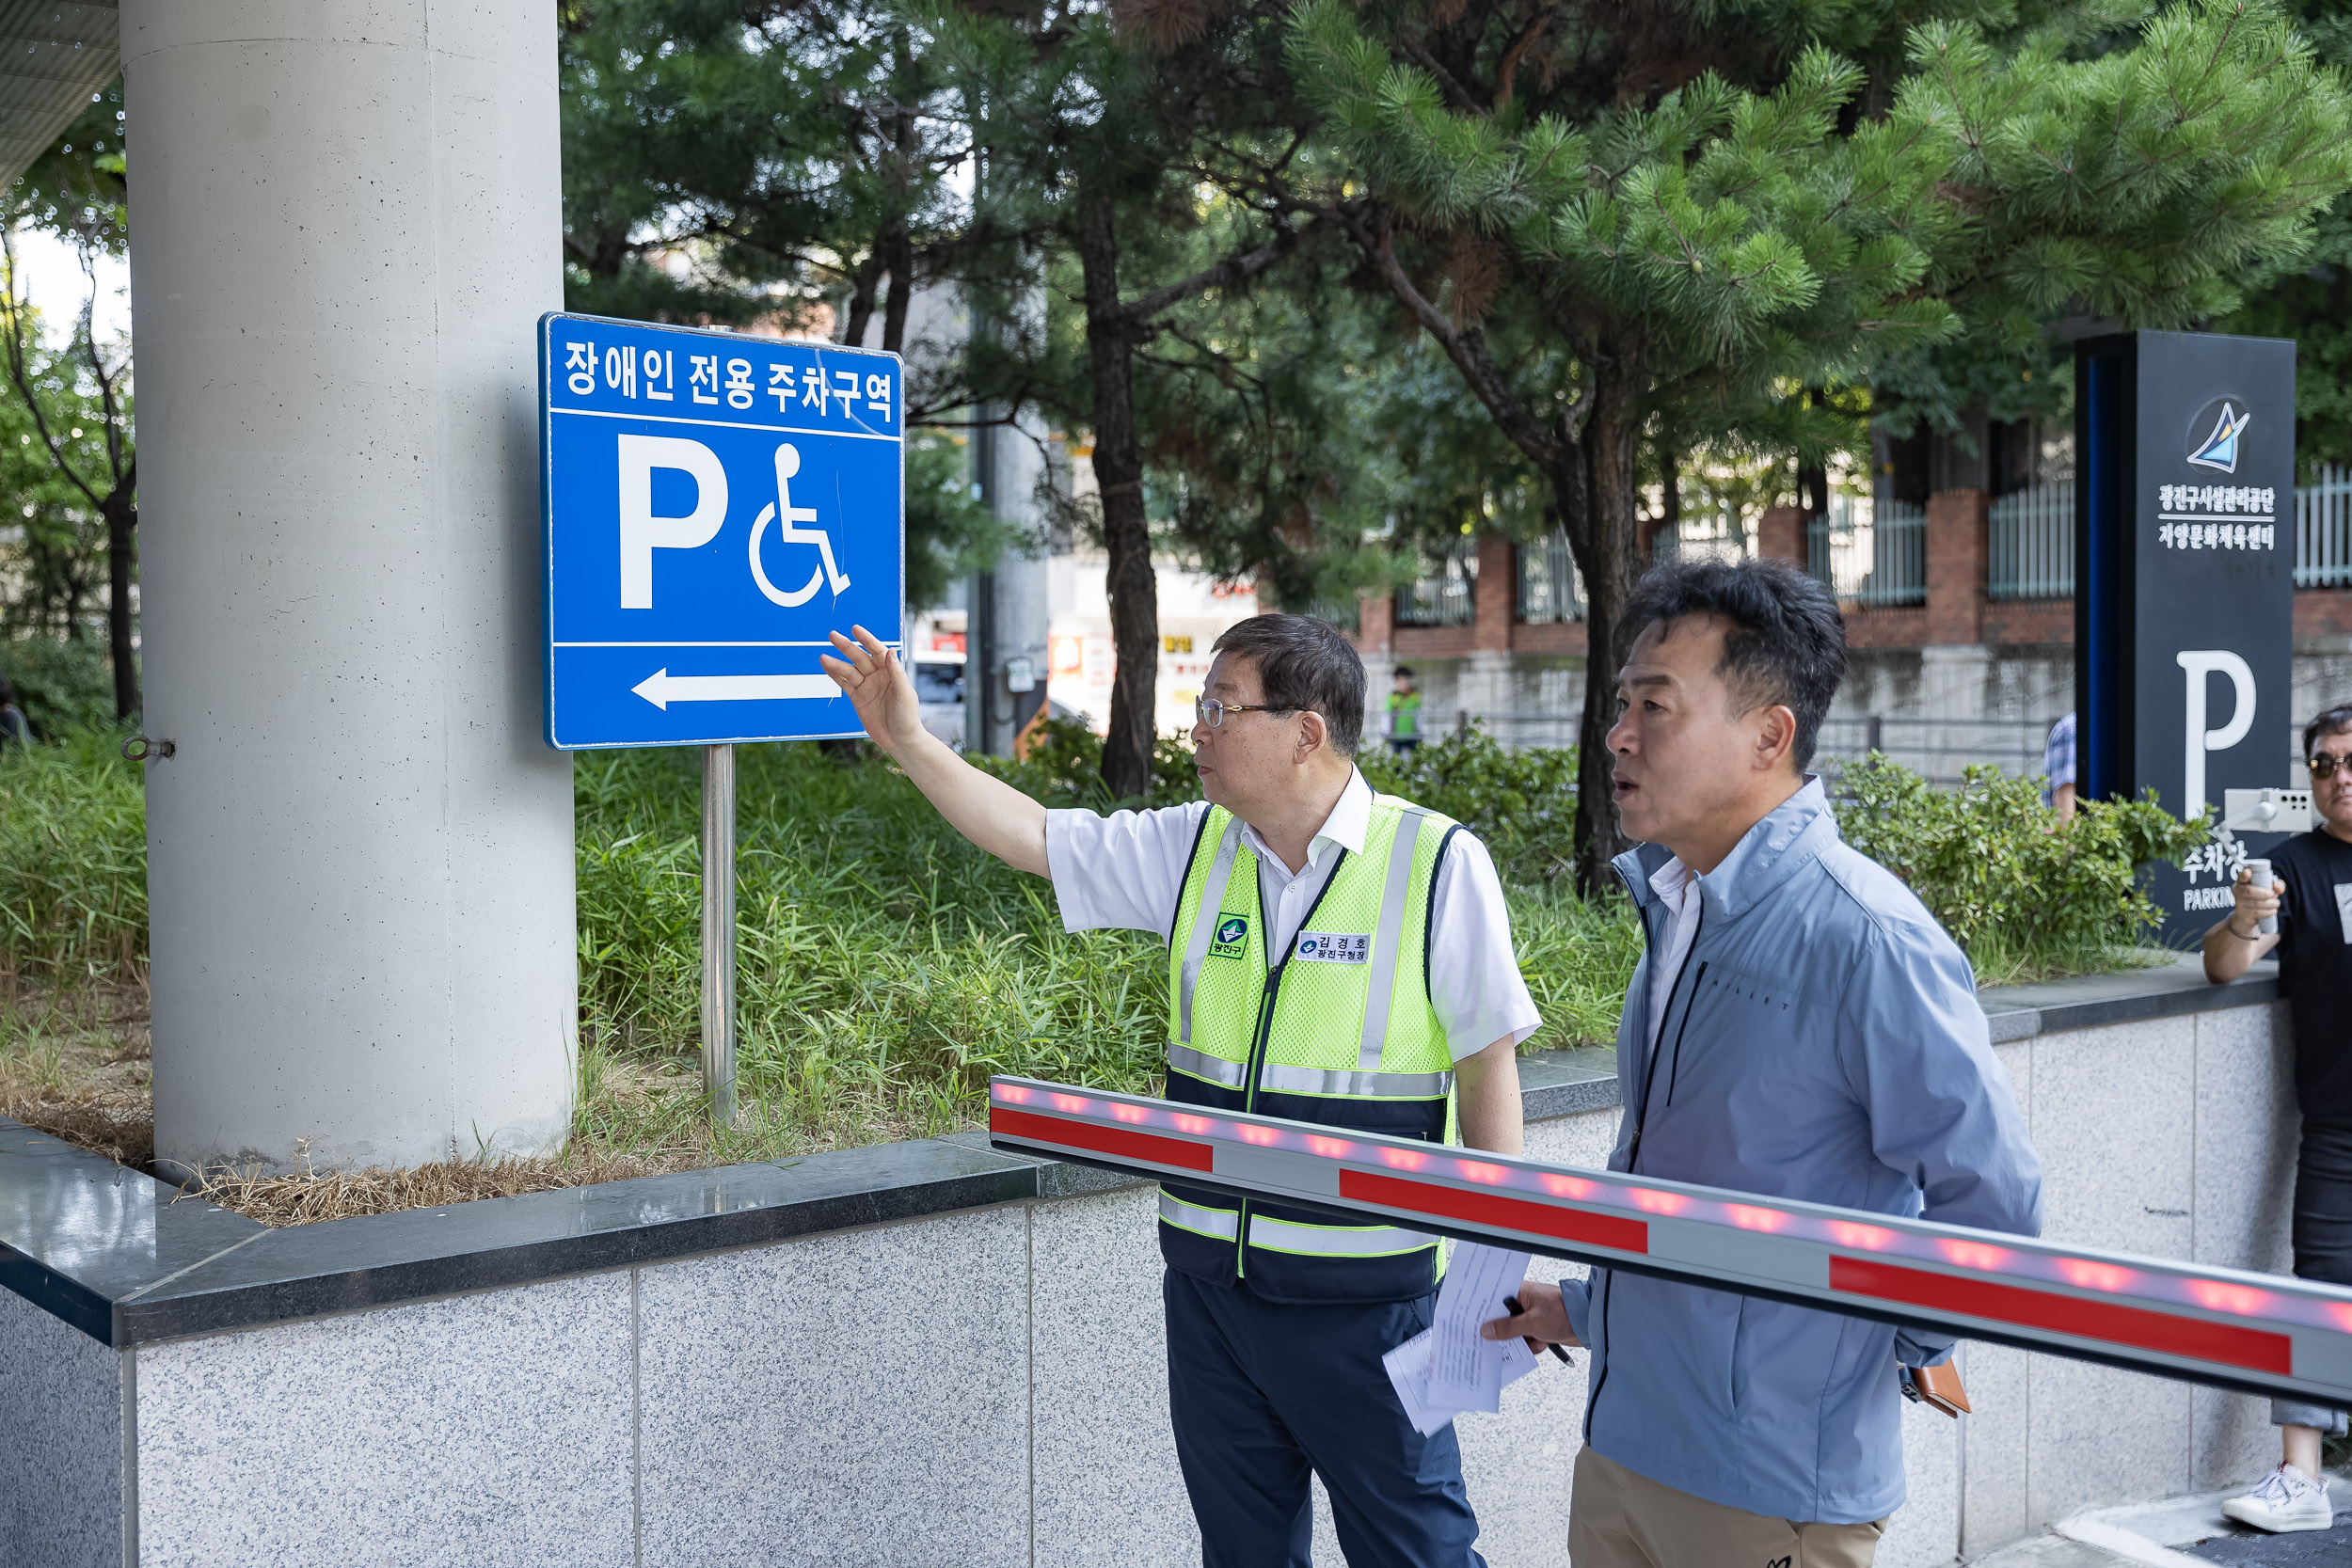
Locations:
column 2201, row 662
column 642, row 532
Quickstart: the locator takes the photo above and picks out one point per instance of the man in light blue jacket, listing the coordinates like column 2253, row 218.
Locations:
column 1801, row 1027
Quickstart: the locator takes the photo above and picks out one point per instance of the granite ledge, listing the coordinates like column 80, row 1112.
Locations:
column 110, row 1252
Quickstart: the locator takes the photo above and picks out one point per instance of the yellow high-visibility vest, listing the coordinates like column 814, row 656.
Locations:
column 1339, row 1030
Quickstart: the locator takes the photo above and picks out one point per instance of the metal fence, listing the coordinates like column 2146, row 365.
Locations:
column 2323, row 531
column 2032, row 554
column 1874, row 555
column 1939, row 750
column 1707, row 536
column 1447, row 597
column 1551, row 587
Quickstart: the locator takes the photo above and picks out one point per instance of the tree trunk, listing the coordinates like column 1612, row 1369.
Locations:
column 1134, row 593
column 1603, row 468
column 862, row 296
column 901, row 258
column 121, row 534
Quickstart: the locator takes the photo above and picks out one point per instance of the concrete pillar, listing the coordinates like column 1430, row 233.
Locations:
column 1957, row 557
column 1013, row 603
column 347, row 223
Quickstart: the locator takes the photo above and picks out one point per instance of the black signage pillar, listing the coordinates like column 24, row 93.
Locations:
column 2185, row 584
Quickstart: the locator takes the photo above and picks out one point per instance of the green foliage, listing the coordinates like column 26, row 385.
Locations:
column 885, row 966
column 72, row 860
column 1064, row 768
column 1520, row 803
column 950, row 533
column 2024, row 896
column 1577, row 956
column 78, row 187
column 62, row 684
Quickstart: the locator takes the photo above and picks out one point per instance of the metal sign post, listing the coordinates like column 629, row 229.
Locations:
column 2225, row 1327
column 718, row 933
column 714, row 505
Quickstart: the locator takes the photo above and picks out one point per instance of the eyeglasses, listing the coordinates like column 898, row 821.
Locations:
column 2323, row 767
column 1213, row 712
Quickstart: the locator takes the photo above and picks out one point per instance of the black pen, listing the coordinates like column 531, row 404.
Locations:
column 1560, row 1351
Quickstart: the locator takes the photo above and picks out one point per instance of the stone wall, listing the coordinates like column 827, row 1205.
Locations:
column 985, row 1386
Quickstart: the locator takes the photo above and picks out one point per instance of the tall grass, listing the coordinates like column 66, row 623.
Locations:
column 72, row 861
column 886, row 967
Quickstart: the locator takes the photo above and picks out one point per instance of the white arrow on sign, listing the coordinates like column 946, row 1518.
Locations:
column 661, row 689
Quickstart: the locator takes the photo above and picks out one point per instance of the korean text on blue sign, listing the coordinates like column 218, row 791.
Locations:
column 714, row 504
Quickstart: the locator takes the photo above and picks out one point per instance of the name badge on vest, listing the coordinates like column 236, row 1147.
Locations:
column 1232, row 938
column 1327, row 947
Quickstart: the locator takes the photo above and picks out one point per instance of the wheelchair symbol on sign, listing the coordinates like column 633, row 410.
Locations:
column 788, row 517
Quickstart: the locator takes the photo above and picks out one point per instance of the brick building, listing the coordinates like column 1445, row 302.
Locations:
column 1958, row 610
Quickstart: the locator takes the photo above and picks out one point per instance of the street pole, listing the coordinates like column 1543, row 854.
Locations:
column 718, row 933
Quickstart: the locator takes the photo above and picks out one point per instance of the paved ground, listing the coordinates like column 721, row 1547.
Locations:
column 2181, row 1533
column 2318, row 1549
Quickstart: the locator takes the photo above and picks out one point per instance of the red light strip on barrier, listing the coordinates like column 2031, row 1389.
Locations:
column 2228, row 1327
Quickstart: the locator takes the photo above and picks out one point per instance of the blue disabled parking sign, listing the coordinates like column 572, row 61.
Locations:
column 714, row 504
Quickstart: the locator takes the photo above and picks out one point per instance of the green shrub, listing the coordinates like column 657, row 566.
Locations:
column 1064, row 768
column 886, row 967
column 1521, row 804
column 72, row 858
column 2022, row 896
column 62, row 686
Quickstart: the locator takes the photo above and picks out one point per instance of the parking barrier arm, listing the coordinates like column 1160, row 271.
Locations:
column 2228, row 1328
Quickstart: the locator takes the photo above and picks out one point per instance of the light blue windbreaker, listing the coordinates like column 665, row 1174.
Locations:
column 1822, row 1041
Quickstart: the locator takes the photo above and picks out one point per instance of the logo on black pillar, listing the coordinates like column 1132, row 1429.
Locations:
column 2213, row 435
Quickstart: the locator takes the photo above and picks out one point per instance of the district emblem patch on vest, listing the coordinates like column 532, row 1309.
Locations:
column 1232, row 938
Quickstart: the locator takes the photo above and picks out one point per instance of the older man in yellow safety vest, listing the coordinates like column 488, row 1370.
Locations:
column 1334, row 956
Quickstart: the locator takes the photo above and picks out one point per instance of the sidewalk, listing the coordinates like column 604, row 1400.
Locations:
column 2180, row 1532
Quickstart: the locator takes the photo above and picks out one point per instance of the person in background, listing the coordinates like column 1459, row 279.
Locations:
column 2058, row 769
column 13, row 726
column 1403, row 708
column 2312, row 897
column 1800, row 1027
column 1291, row 897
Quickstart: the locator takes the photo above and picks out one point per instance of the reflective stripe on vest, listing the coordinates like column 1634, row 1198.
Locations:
column 1329, row 1241
column 1224, row 1223
column 1197, row 948
column 1351, row 1085
column 1388, row 940
column 1216, row 1069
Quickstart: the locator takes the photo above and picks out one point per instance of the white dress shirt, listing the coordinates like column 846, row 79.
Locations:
column 1676, row 886
column 1127, row 870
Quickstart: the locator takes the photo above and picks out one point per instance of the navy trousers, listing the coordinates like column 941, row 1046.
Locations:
column 1262, row 1393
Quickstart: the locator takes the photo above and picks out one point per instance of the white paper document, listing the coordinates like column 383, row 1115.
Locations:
column 1447, row 1367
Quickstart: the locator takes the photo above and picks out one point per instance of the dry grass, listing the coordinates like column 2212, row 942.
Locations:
column 74, row 1063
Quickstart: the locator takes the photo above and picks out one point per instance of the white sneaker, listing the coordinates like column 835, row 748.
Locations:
column 2286, row 1500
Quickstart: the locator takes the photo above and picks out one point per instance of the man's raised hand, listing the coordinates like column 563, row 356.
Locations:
column 877, row 686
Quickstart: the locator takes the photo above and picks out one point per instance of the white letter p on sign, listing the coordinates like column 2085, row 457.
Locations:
column 642, row 532
column 2201, row 662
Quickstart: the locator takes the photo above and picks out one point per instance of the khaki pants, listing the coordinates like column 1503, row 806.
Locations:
column 1617, row 1519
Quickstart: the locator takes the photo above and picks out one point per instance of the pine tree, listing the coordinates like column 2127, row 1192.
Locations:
column 1685, row 213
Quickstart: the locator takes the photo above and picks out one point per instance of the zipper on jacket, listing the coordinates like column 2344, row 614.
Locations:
column 1674, row 1068
column 1649, row 1077
column 1633, row 1151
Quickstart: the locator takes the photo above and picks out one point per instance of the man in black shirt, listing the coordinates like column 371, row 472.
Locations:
column 2311, row 895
